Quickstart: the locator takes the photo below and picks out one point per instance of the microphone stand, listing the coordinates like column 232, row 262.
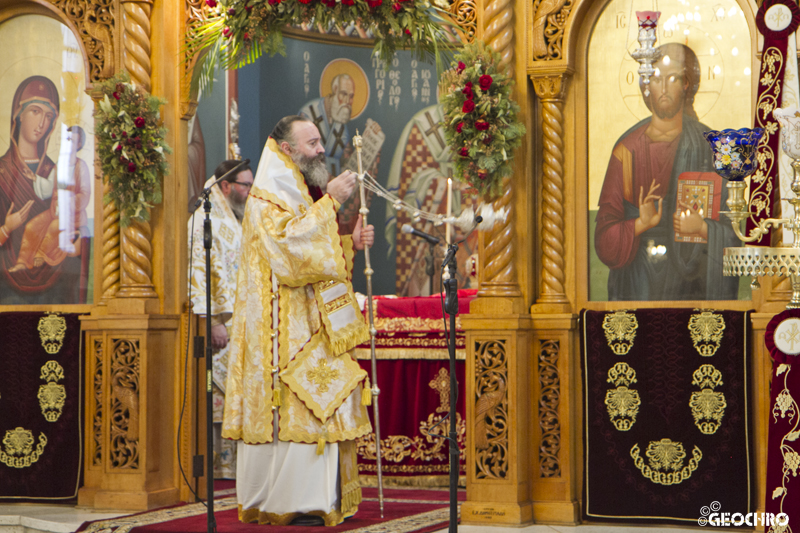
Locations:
column 451, row 308
column 431, row 268
column 207, row 241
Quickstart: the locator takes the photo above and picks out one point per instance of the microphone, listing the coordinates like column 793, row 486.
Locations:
column 421, row 234
column 207, row 189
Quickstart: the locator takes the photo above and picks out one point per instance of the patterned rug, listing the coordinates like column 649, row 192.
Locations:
column 666, row 414
column 405, row 511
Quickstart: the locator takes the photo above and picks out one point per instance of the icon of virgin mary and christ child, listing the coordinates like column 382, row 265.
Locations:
column 42, row 217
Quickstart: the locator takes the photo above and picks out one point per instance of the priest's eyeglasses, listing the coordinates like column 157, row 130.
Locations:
column 242, row 183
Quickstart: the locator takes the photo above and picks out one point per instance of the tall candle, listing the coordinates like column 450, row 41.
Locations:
column 449, row 208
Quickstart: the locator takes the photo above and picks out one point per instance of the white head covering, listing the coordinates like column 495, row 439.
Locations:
column 279, row 180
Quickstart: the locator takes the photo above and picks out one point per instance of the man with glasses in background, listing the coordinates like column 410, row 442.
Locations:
column 227, row 209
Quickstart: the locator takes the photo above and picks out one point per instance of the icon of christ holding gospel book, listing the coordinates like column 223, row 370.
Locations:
column 658, row 227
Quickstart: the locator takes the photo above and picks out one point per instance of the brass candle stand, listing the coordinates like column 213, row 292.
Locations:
column 758, row 261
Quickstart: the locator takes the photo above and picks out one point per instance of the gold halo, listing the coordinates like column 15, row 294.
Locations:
column 356, row 73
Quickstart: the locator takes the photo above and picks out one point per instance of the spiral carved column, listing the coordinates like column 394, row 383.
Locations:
column 136, row 41
column 137, row 253
column 136, row 268
column 499, row 276
column 551, row 90
column 111, row 250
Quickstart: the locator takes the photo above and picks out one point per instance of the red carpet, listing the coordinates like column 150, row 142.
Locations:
column 405, row 511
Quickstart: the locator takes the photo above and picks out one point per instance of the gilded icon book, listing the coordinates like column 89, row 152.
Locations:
column 698, row 191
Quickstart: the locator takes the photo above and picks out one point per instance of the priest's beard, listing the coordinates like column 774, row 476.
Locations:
column 236, row 201
column 313, row 168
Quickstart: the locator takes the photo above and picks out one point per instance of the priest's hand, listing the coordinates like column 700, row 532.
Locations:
column 341, row 187
column 219, row 336
column 363, row 236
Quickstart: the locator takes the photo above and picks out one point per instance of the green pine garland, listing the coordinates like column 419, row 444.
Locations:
column 237, row 32
column 480, row 124
column 130, row 141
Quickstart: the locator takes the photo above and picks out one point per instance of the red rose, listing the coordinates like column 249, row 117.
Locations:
column 226, row 32
column 231, row 12
column 348, row 2
column 139, row 121
column 408, row 32
column 116, row 95
column 468, row 84
column 468, row 107
column 374, row 3
column 397, row 8
column 131, row 167
column 274, row 2
column 481, row 125
column 467, row 91
column 124, row 134
column 482, row 174
column 459, row 127
column 118, row 148
column 461, row 67
column 113, row 135
column 464, row 152
column 246, row 36
column 248, row 8
column 485, row 82
column 211, row 3
column 487, row 140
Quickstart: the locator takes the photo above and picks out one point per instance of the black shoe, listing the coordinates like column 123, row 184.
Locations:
column 308, row 520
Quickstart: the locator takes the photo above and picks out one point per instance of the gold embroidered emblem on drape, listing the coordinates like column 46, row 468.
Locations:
column 18, row 449
column 708, row 407
column 52, row 328
column 622, row 403
column 665, row 460
column 322, row 375
column 620, row 328
column 706, row 329
column 52, row 395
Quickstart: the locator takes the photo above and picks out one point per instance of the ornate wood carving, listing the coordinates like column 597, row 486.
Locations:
column 551, row 90
column 549, row 398
column 465, row 14
column 97, row 420
column 124, row 404
column 111, row 251
column 499, row 276
column 136, row 41
column 491, row 410
column 95, row 23
column 549, row 22
column 136, row 266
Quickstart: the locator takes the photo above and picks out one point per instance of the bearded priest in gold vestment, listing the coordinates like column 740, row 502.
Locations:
column 296, row 397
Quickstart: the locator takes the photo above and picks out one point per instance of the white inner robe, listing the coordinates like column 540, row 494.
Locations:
column 287, row 477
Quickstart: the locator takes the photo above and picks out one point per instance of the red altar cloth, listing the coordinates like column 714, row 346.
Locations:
column 413, row 370
column 420, row 307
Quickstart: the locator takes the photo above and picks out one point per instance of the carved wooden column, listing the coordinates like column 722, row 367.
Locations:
column 133, row 351
column 498, row 331
column 136, row 257
column 111, row 251
column 498, row 275
column 551, row 90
